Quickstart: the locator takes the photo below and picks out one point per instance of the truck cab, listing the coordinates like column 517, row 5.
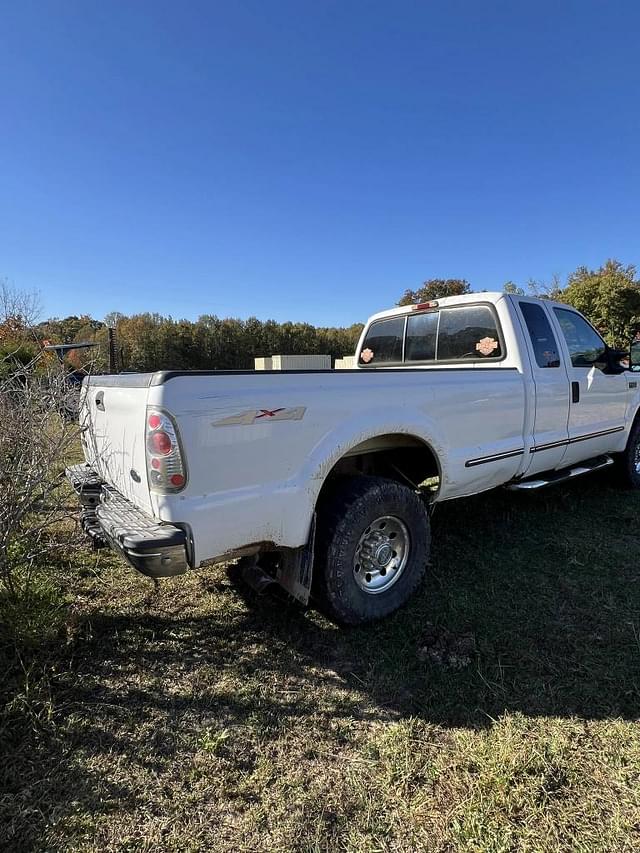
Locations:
column 576, row 390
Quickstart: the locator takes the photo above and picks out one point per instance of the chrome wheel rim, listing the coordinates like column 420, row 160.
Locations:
column 381, row 554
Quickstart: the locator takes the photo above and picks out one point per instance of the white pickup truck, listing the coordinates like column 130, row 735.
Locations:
column 323, row 480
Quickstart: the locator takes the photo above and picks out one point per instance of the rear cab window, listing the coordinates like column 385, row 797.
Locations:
column 383, row 343
column 445, row 335
column 468, row 332
column 422, row 330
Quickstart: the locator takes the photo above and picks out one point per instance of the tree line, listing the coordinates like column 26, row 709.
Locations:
column 609, row 296
column 148, row 341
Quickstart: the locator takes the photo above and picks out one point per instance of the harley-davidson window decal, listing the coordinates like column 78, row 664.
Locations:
column 486, row 346
column 366, row 355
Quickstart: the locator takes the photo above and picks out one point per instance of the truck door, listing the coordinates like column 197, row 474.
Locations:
column 598, row 399
column 550, row 392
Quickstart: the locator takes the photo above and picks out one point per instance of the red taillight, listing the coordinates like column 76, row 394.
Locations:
column 159, row 442
column 166, row 470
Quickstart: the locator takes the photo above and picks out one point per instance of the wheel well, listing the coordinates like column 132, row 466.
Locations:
column 404, row 458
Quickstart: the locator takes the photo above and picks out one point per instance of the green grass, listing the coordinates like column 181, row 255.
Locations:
column 498, row 712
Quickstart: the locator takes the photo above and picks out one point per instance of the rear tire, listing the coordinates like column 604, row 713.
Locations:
column 629, row 460
column 372, row 548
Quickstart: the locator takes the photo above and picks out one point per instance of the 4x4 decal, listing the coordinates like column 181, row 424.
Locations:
column 295, row 413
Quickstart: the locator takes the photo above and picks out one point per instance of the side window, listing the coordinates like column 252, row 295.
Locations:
column 586, row 347
column 383, row 342
column 468, row 333
column 421, row 337
column 544, row 343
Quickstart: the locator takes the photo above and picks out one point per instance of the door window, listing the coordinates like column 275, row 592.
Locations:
column 586, row 347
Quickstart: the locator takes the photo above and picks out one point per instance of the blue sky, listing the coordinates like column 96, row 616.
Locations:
column 311, row 160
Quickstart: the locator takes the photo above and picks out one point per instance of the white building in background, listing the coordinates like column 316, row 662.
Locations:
column 263, row 363
column 347, row 362
column 294, row 362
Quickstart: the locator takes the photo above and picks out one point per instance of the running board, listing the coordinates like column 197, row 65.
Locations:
column 553, row 477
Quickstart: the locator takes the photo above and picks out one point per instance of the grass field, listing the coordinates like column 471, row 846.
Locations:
column 498, row 712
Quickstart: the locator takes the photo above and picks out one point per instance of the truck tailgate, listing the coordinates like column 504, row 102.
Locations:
column 113, row 421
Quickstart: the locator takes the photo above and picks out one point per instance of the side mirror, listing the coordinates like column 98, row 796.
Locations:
column 634, row 355
column 618, row 360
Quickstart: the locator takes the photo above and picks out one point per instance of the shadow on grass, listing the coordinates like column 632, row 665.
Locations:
column 546, row 585
column 547, row 588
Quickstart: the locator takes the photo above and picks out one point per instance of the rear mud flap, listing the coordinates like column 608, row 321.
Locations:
column 294, row 571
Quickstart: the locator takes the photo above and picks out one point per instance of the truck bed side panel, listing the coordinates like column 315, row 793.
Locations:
column 259, row 446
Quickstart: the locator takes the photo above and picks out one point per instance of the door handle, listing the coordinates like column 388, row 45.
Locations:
column 575, row 392
column 100, row 401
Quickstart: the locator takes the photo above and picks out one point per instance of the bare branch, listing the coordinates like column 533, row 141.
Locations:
column 38, row 413
column 17, row 305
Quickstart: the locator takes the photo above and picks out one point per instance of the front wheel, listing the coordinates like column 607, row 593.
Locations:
column 372, row 548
